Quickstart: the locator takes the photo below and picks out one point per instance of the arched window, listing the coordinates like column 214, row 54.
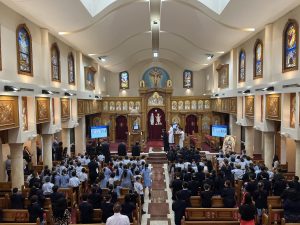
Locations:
column 71, row 69
column 24, row 50
column 55, row 63
column 258, row 59
column 290, row 46
column 242, row 66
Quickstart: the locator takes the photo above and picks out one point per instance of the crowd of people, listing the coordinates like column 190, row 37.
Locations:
column 94, row 171
column 193, row 175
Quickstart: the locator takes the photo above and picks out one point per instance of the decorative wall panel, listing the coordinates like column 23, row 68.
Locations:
column 42, row 110
column 273, row 107
column 249, row 106
column 9, row 116
column 65, row 108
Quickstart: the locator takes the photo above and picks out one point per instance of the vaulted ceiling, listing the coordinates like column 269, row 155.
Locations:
column 124, row 31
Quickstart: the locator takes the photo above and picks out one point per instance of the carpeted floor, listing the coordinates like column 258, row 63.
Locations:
column 154, row 144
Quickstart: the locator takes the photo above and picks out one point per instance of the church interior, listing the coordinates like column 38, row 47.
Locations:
column 189, row 87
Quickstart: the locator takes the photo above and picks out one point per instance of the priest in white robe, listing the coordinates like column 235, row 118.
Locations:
column 171, row 135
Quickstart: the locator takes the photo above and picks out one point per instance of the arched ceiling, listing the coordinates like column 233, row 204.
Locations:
column 123, row 30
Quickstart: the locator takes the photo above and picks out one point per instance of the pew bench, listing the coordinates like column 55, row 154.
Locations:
column 183, row 222
column 217, row 202
column 97, row 216
column 274, row 215
column 284, row 223
column 211, row 214
column 5, row 188
column 21, row 216
column 5, row 202
column 275, row 202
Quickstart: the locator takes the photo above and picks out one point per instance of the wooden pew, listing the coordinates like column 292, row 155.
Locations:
column 289, row 176
column 265, row 219
column 21, row 216
column 70, row 196
column 275, row 202
column 25, row 191
column 274, row 215
column 183, row 222
column 5, row 202
column 284, row 223
column 47, row 203
column 211, row 214
column 217, row 202
column 38, row 168
column 124, row 191
column 5, row 188
column 97, row 215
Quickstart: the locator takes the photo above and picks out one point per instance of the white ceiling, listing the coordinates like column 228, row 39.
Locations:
column 122, row 30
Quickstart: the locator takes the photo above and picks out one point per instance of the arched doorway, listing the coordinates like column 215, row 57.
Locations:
column 121, row 128
column 191, row 124
column 156, row 122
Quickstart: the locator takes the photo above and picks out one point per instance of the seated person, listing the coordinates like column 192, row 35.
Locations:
column 56, row 195
column 178, row 206
column 107, row 208
column 86, row 210
column 16, row 200
column 291, row 208
column 206, row 197
column 47, row 187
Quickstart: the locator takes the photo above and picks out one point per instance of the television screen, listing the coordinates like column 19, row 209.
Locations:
column 219, row 130
column 99, row 132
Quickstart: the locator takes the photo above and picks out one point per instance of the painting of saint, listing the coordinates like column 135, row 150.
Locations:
column 105, row 106
column 290, row 48
column 112, row 106
column 249, row 106
column 194, row 105
column 223, row 76
column 187, row 105
column 118, row 106
column 206, row 104
column 187, row 79
column 292, row 110
column 180, row 105
column 131, row 105
column 174, row 105
column 124, row 80
column 138, row 106
column 89, row 73
column 242, row 66
column 125, row 106
column 273, row 106
column 200, row 104
column 24, row 50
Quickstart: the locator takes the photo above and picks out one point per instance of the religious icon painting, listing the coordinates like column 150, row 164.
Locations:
column 194, row 105
column 89, row 74
column 174, row 105
column 187, row 79
column 55, row 63
column 71, row 69
column 292, row 110
column 125, row 106
column 24, row 50
column 273, row 107
column 187, row 105
column 105, row 106
column 258, row 59
column 223, row 76
column 242, row 66
column 124, row 80
column 290, row 46
column 200, row 104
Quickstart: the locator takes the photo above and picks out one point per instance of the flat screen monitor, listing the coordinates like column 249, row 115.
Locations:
column 99, row 132
column 219, row 130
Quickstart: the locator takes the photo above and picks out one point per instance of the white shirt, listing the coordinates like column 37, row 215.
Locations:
column 138, row 187
column 47, row 188
column 171, row 135
column 82, row 177
column 74, row 182
column 118, row 219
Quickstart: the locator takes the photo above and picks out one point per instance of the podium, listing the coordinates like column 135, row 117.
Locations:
column 176, row 139
column 134, row 137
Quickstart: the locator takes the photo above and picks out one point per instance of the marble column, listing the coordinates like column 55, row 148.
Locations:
column 268, row 148
column 65, row 136
column 283, row 150
column 2, row 164
column 17, row 165
column 80, row 137
column 297, row 164
column 235, row 130
column 249, row 141
column 47, row 149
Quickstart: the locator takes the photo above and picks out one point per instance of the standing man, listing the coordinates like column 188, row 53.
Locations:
column 171, row 135
column 181, row 137
column 8, row 168
column 165, row 140
column 122, row 151
column 136, row 149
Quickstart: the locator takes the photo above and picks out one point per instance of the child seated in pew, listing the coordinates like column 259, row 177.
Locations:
column 128, row 207
column 16, row 199
column 35, row 210
column 86, row 210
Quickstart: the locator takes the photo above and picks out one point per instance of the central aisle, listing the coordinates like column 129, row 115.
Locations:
column 159, row 206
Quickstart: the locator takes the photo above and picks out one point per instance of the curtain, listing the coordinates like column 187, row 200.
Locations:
column 191, row 124
column 156, row 123
column 121, row 128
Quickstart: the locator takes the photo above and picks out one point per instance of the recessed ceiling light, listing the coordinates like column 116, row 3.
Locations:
column 64, row 33
column 92, row 54
column 102, row 58
column 210, row 56
column 155, row 54
column 221, row 52
column 249, row 29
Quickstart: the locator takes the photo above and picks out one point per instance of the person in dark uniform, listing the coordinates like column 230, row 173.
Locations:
column 178, row 207
column 93, row 166
column 86, row 210
column 165, row 138
column 136, row 149
column 122, row 151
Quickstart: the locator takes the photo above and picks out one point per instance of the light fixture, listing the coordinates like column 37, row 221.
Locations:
column 155, row 22
column 209, row 56
column 155, row 54
column 246, row 91
column 11, row 88
column 69, row 94
column 64, row 33
column 216, row 95
column 92, row 54
column 205, row 64
column 290, row 85
column 249, row 29
column 96, row 96
column 47, row 92
column 271, row 88
column 220, row 52
column 102, row 58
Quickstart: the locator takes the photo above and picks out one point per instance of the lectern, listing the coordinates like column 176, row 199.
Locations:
column 134, row 137
column 176, row 138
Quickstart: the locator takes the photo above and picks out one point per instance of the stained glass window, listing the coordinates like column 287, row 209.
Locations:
column 24, row 48
column 55, row 63
column 290, row 46
column 242, row 66
column 258, row 59
column 71, row 68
